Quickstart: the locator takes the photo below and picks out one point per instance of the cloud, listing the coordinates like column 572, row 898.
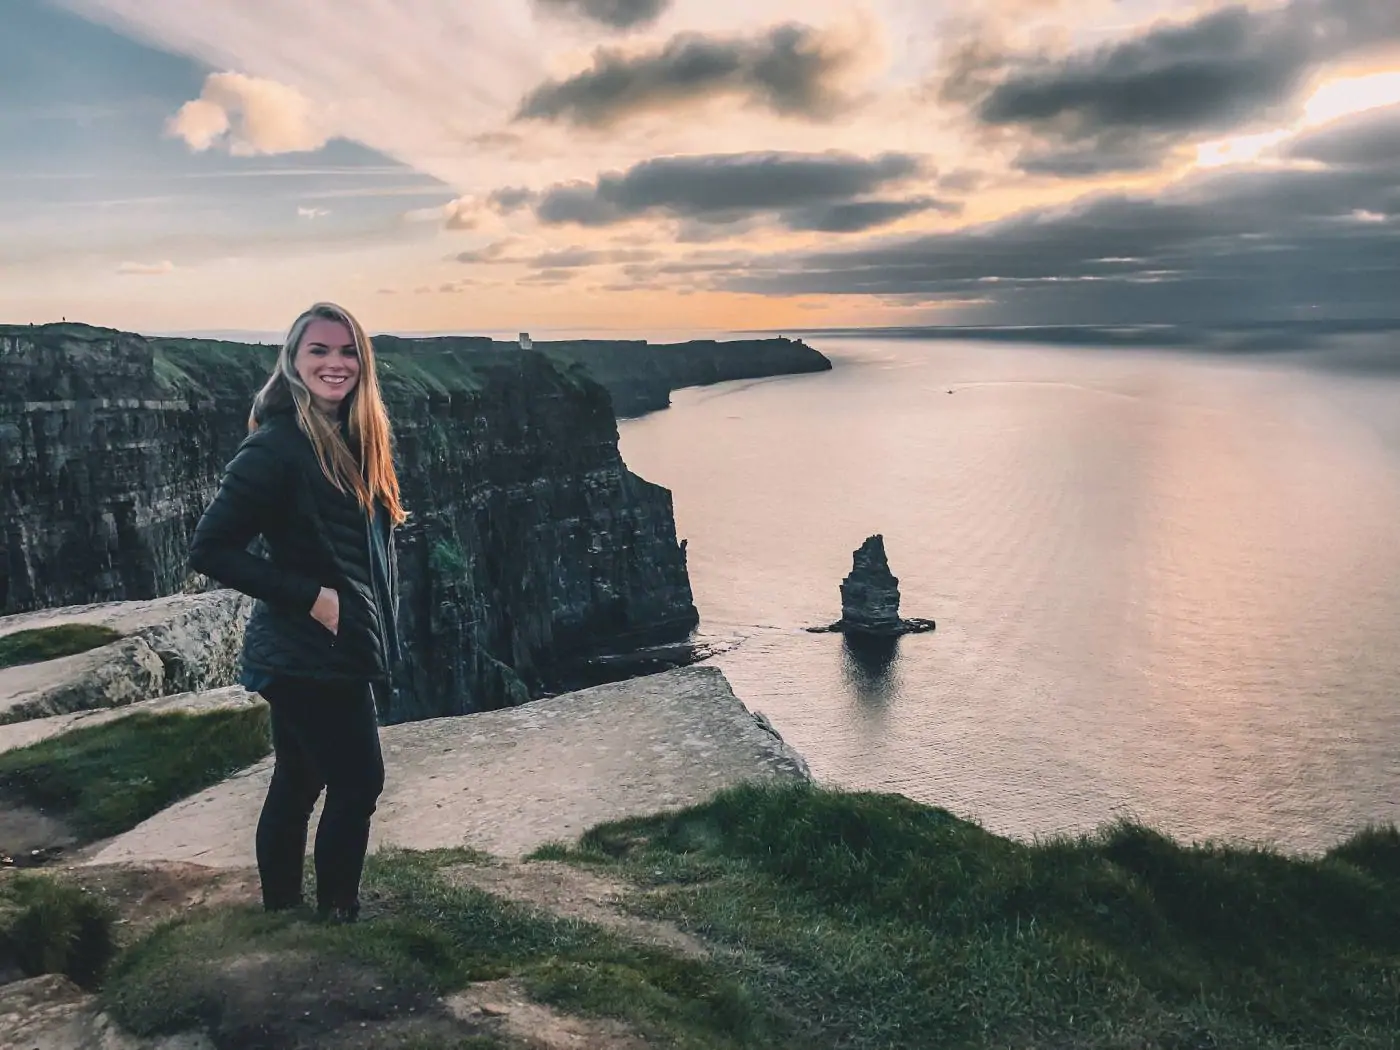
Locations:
column 791, row 70
column 462, row 214
column 576, row 257
column 1123, row 106
column 312, row 213
column 1366, row 138
column 615, row 14
column 1250, row 243
column 248, row 116
column 139, row 269
column 495, row 252
column 548, row 278
column 723, row 188
column 855, row 216
column 510, row 199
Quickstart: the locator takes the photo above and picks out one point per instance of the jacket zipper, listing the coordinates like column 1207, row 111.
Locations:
column 379, row 599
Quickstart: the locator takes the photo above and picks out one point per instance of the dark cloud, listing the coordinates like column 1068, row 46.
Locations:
column 1363, row 139
column 1124, row 105
column 792, row 70
column 510, row 199
column 723, row 188
column 615, row 14
column 856, row 216
column 1262, row 243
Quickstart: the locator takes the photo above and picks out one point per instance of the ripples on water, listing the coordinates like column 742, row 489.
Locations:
column 1166, row 586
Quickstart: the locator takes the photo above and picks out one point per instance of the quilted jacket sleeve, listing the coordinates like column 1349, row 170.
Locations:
column 250, row 498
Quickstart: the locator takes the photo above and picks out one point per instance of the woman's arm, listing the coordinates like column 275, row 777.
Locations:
column 251, row 496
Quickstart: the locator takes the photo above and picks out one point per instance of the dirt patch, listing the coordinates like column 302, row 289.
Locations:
column 272, row 1000
column 147, row 895
column 575, row 893
column 502, row 1007
column 29, row 838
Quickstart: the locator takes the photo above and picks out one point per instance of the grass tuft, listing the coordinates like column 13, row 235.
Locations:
column 49, row 643
column 48, row 926
column 105, row 779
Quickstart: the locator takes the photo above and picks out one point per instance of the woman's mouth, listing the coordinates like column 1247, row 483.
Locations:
column 334, row 380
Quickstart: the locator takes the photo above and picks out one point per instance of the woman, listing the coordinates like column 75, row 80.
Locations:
column 315, row 479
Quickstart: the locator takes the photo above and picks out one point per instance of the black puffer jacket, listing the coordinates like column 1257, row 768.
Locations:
column 316, row 537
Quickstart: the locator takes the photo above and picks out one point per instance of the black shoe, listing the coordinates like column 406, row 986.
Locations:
column 340, row 914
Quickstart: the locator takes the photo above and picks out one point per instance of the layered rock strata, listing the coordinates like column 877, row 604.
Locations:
column 531, row 547
column 870, row 596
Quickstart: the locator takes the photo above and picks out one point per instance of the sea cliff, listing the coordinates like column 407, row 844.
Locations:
column 531, row 548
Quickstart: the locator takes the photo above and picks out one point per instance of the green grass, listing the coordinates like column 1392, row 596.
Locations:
column 48, row 643
column 105, row 779
column 883, row 923
column 47, row 926
column 434, row 938
column 447, row 559
column 848, row 921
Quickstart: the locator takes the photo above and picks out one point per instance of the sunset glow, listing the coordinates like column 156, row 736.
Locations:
column 523, row 164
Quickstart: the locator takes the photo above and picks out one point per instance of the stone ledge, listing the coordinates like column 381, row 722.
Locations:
column 509, row 781
column 176, row 644
column 31, row 731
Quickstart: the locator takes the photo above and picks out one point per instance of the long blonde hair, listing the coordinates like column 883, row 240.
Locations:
column 373, row 477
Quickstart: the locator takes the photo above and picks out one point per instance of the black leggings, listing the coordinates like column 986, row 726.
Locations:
column 324, row 735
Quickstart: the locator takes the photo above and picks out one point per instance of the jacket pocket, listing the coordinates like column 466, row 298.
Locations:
column 332, row 636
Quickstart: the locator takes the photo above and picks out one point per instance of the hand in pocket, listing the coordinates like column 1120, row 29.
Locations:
column 326, row 611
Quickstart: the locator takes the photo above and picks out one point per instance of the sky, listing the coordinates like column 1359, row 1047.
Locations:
column 666, row 165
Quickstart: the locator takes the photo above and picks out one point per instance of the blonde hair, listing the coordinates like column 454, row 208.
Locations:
column 373, row 477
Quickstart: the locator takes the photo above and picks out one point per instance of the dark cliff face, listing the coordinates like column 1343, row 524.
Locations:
column 530, row 548
column 640, row 375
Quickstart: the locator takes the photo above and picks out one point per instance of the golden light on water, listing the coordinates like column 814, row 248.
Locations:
column 1342, row 97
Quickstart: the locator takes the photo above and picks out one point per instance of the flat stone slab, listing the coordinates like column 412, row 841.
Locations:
column 31, row 731
column 509, row 781
column 175, row 644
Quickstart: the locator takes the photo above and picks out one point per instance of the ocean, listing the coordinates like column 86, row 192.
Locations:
column 1167, row 584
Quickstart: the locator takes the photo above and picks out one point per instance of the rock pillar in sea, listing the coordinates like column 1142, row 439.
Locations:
column 870, row 596
column 870, row 593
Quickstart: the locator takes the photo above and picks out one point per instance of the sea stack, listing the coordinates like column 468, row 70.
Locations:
column 870, row 596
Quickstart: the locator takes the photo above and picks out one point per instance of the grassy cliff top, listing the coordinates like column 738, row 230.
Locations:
column 784, row 917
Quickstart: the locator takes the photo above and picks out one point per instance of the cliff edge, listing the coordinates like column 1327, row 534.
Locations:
column 531, row 546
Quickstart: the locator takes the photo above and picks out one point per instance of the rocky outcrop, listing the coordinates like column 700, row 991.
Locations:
column 176, row 644
column 870, row 596
column 531, row 548
column 509, row 781
column 53, row 1013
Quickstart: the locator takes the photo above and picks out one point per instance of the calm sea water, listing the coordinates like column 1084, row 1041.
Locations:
column 1166, row 586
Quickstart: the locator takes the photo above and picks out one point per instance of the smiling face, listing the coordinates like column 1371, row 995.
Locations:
column 328, row 363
